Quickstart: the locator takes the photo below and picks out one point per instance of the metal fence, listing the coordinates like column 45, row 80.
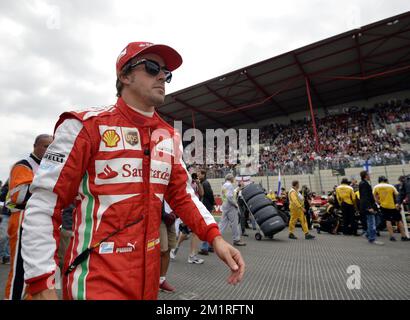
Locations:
column 320, row 177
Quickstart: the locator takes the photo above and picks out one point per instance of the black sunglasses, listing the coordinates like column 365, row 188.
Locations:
column 153, row 68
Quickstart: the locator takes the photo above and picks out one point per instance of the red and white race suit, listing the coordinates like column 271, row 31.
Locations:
column 119, row 165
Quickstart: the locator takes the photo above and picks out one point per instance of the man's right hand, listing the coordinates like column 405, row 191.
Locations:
column 48, row 294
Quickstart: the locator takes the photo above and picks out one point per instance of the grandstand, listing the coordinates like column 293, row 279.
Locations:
column 323, row 110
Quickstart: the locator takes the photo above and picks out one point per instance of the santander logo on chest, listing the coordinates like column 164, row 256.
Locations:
column 130, row 170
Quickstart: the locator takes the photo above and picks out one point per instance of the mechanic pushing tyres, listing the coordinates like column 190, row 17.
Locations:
column 268, row 218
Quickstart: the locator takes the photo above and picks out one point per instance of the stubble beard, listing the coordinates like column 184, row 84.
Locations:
column 156, row 100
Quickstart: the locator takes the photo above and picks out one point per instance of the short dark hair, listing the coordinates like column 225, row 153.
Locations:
column 294, row 183
column 41, row 136
column 383, row 179
column 363, row 174
column 345, row 181
column 203, row 172
column 126, row 70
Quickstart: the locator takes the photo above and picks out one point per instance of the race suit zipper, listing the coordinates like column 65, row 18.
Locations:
column 146, row 172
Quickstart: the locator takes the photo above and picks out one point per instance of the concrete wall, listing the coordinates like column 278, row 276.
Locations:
column 323, row 180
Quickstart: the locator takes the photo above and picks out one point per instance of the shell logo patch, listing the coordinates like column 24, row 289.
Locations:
column 111, row 138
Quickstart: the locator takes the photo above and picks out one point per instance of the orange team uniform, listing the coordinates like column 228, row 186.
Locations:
column 21, row 176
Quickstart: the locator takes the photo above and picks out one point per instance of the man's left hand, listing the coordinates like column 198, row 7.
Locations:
column 232, row 257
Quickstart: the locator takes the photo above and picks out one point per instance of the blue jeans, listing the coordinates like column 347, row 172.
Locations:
column 205, row 246
column 371, row 227
column 4, row 238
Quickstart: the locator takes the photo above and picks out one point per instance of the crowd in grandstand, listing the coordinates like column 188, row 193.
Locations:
column 345, row 140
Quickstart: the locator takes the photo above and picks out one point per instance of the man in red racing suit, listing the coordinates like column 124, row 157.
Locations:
column 118, row 163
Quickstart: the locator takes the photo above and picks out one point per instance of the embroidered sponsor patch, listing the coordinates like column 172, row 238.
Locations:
column 120, row 170
column 107, row 173
column 160, row 172
column 131, row 137
column 106, row 247
column 119, row 138
column 111, row 138
column 54, row 156
column 152, row 243
column 129, row 248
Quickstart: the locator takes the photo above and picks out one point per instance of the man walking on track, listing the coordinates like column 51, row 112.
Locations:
column 297, row 212
column 21, row 176
column 230, row 214
column 118, row 163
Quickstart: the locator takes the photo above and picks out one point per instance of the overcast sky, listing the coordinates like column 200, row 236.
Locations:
column 60, row 55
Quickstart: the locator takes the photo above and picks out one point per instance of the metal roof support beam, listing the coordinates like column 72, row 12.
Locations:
column 363, row 86
column 385, row 39
column 306, row 76
column 312, row 114
column 187, row 106
column 259, row 87
column 252, row 119
column 316, row 59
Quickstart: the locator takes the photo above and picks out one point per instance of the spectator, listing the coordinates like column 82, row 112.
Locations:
column 185, row 231
column 208, row 200
column 66, row 233
column 4, row 222
column 368, row 207
column 167, row 241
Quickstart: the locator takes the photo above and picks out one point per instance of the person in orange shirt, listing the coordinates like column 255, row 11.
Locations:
column 21, row 176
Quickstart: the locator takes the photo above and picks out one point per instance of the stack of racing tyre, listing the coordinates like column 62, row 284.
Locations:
column 269, row 219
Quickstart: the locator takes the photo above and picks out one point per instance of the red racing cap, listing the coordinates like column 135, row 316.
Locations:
column 171, row 57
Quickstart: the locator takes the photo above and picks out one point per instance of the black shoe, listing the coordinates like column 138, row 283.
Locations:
column 203, row 252
column 210, row 249
column 245, row 235
column 292, row 236
column 5, row 260
column 393, row 239
column 405, row 239
column 309, row 237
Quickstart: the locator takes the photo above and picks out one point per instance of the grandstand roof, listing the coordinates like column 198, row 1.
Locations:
column 355, row 65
